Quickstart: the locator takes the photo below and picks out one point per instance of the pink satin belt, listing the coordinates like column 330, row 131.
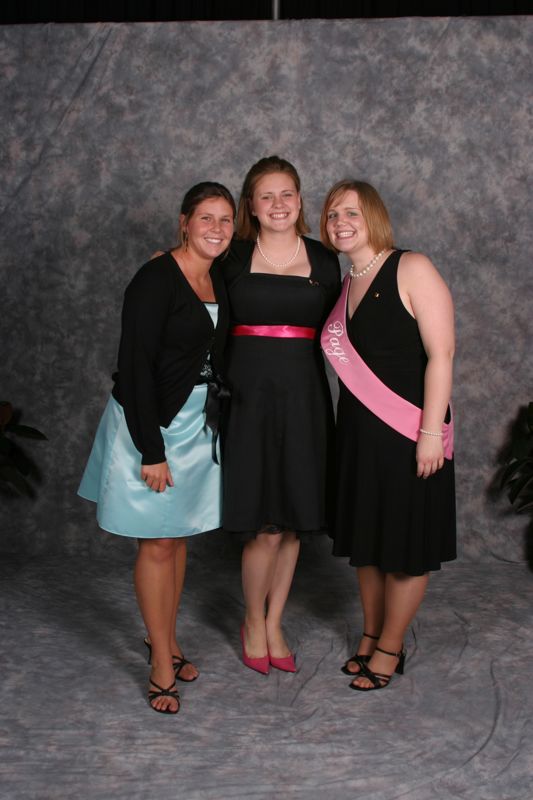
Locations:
column 278, row 331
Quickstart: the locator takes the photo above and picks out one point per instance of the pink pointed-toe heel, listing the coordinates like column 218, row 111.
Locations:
column 261, row 664
column 286, row 664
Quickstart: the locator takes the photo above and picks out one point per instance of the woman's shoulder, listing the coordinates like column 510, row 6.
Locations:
column 235, row 259
column 323, row 260
column 320, row 250
column 156, row 274
column 415, row 264
column 417, row 274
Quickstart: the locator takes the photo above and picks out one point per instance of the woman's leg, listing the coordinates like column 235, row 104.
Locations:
column 372, row 591
column 155, row 575
column 372, row 583
column 259, row 560
column 189, row 671
column 403, row 596
column 279, row 592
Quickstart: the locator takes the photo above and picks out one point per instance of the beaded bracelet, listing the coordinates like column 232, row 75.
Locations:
column 429, row 433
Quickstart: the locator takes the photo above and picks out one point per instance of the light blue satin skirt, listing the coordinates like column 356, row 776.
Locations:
column 126, row 506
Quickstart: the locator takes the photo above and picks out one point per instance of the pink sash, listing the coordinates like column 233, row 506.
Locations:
column 395, row 411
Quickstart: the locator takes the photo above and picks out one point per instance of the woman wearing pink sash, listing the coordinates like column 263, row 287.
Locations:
column 390, row 338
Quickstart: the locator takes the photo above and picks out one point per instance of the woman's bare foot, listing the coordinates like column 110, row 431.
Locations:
column 183, row 669
column 380, row 664
column 163, row 678
column 186, row 672
column 367, row 645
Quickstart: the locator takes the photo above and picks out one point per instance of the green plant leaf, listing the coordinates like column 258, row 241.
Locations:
column 529, row 417
column 522, row 446
column 6, row 412
column 5, row 445
column 525, row 504
column 21, row 461
column 6, row 490
column 26, row 432
column 520, row 485
column 11, row 475
column 514, row 467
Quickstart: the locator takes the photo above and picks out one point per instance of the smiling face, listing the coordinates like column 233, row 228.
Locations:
column 209, row 228
column 276, row 202
column 346, row 227
column 353, row 210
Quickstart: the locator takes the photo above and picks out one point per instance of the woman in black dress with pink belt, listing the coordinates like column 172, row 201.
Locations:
column 281, row 286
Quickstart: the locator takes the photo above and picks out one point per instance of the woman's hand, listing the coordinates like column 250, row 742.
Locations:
column 157, row 476
column 429, row 455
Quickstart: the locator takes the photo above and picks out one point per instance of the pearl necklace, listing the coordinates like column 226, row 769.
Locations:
column 286, row 263
column 359, row 274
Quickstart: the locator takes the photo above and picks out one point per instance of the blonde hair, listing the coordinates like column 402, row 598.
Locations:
column 373, row 210
column 247, row 226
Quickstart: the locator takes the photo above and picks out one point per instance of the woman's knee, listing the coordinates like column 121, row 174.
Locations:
column 271, row 541
column 159, row 550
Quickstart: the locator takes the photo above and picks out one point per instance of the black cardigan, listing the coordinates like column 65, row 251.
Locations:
column 166, row 335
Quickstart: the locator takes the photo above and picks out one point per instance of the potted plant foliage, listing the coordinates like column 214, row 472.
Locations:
column 517, row 476
column 17, row 468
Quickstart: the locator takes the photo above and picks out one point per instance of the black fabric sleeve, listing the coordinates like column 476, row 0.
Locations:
column 334, row 282
column 232, row 263
column 147, row 301
column 222, row 326
column 327, row 269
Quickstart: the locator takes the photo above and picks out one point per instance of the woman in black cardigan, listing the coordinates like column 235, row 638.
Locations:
column 154, row 470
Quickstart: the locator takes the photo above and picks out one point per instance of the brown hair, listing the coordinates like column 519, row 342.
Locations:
column 200, row 192
column 247, row 226
column 372, row 208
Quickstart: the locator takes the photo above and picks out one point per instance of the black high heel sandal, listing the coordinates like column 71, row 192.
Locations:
column 378, row 679
column 170, row 692
column 360, row 660
column 178, row 662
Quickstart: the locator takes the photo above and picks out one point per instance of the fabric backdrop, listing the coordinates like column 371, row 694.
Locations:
column 104, row 127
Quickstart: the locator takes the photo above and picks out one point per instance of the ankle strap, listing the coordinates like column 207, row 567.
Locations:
column 369, row 636
column 388, row 653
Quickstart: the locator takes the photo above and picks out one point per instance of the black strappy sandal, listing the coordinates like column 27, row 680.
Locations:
column 378, row 679
column 178, row 662
column 170, row 692
column 358, row 659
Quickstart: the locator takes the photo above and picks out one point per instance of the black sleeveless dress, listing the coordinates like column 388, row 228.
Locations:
column 279, row 435
column 386, row 516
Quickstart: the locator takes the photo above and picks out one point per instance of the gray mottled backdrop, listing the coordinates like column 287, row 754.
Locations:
column 105, row 126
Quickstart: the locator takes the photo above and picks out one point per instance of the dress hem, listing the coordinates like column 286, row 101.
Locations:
column 138, row 536
column 388, row 569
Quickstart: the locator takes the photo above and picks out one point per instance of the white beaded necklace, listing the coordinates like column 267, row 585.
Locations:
column 359, row 274
column 286, row 263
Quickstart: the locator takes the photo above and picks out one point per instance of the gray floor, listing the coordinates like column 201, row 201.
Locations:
column 75, row 723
